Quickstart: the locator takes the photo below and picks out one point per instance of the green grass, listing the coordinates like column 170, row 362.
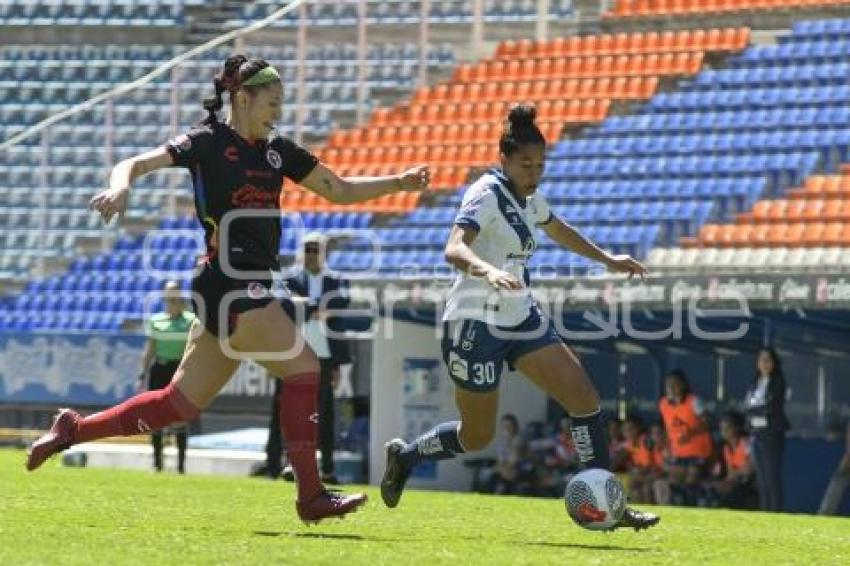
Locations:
column 89, row 516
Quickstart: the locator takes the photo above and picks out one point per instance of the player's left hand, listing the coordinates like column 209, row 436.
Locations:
column 110, row 202
column 415, row 179
column 626, row 264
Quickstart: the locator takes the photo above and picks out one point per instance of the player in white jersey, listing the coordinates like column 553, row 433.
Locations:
column 492, row 318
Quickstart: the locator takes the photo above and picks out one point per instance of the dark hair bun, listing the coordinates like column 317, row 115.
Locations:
column 230, row 76
column 522, row 115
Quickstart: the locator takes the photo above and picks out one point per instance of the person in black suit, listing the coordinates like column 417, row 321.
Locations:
column 321, row 292
column 765, row 408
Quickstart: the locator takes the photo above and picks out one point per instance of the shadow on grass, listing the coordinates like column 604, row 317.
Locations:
column 353, row 537
column 605, row 547
column 337, row 536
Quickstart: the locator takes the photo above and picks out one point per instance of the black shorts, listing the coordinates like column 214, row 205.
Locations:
column 213, row 287
column 161, row 373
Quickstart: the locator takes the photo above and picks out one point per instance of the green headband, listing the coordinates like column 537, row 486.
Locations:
column 263, row 76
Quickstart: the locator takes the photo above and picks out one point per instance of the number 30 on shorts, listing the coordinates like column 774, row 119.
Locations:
column 484, row 373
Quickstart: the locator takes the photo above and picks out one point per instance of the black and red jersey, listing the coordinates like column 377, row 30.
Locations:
column 229, row 173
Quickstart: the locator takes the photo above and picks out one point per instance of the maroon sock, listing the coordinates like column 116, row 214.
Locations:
column 299, row 423
column 151, row 410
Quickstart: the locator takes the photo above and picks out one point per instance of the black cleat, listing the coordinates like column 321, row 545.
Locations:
column 637, row 520
column 395, row 474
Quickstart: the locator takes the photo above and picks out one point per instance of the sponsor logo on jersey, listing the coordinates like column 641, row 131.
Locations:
column 231, row 153
column 313, row 418
column 458, row 367
column 250, row 196
column 274, row 159
column 257, row 290
column 466, row 345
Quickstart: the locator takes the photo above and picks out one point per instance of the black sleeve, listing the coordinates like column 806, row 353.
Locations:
column 189, row 149
column 297, row 160
column 294, row 286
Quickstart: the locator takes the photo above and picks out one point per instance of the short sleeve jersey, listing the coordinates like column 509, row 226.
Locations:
column 505, row 240
column 169, row 335
column 231, row 174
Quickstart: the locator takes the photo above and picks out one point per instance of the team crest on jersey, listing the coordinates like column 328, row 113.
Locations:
column 274, row 159
column 458, row 367
column 182, row 142
column 257, row 290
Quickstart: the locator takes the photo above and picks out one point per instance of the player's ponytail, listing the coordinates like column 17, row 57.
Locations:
column 228, row 80
column 520, row 129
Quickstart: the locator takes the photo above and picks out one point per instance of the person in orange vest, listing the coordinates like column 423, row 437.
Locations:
column 736, row 487
column 690, row 442
column 641, row 465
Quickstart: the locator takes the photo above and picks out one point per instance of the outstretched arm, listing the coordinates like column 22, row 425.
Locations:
column 114, row 199
column 568, row 237
column 348, row 190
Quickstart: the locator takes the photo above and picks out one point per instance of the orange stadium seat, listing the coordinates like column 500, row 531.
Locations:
column 644, row 8
column 834, row 210
column 832, row 234
column 783, row 234
column 810, row 234
column 709, row 234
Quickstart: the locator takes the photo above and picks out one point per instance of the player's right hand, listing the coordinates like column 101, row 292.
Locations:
column 499, row 279
column 110, row 202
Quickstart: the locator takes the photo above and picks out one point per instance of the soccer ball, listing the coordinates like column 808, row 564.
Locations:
column 595, row 499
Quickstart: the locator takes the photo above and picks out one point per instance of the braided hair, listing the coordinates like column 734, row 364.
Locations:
column 520, row 129
column 237, row 70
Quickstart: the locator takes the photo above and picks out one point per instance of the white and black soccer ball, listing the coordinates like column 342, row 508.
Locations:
column 595, row 499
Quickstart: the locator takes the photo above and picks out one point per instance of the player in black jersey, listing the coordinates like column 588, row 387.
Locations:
column 237, row 171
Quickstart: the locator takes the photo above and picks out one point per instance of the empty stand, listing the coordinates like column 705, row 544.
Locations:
column 573, row 81
column 650, row 8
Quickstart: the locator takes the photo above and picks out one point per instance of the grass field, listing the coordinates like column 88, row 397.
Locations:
column 88, row 516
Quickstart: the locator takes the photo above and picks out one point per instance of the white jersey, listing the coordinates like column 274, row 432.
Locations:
column 505, row 240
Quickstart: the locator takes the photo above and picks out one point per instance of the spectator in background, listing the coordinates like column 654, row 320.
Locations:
column 765, row 408
column 839, row 482
column 510, row 452
column 641, row 465
column 617, row 446
column 661, row 458
column 736, row 486
column 559, row 462
column 167, row 334
column 564, row 456
column 688, row 434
